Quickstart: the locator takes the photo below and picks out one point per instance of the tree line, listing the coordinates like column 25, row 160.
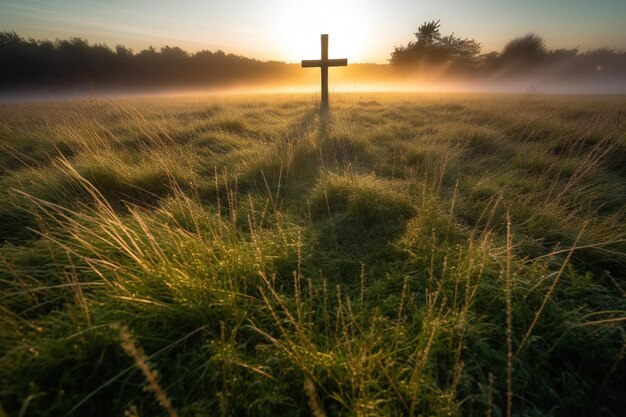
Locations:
column 27, row 63
column 75, row 63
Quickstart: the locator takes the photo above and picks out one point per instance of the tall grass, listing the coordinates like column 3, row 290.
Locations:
column 401, row 255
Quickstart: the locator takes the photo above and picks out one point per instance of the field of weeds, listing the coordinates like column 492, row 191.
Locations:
column 248, row 255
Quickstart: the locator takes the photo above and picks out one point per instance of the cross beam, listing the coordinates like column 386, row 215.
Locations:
column 324, row 63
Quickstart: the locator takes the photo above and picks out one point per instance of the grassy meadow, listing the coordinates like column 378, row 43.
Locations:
column 412, row 255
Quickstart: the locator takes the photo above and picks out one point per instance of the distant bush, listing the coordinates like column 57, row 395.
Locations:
column 519, row 56
column 529, row 47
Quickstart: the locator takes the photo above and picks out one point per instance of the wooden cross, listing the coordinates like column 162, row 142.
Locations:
column 324, row 63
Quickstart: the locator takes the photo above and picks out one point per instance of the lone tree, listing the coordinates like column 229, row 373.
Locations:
column 433, row 48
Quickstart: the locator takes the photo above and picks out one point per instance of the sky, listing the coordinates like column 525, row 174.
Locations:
column 288, row 30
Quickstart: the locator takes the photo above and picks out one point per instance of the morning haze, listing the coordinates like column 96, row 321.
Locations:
column 329, row 208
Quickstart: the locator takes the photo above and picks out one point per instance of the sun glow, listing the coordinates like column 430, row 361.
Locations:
column 301, row 23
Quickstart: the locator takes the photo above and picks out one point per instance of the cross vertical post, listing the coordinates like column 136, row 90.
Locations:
column 324, row 69
column 323, row 64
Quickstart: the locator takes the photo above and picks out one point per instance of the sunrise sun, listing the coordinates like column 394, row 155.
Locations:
column 301, row 22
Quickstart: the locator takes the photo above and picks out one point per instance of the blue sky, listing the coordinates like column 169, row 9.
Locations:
column 288, row 30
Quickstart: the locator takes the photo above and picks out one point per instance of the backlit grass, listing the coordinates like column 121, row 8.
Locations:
column 398, row 255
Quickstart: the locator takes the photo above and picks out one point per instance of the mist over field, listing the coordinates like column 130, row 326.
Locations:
column 345, row 83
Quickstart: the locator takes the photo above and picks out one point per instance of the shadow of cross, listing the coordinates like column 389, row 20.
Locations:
column 324, row 63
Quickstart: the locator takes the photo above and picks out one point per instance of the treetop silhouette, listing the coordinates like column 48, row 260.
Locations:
column 433, row 48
